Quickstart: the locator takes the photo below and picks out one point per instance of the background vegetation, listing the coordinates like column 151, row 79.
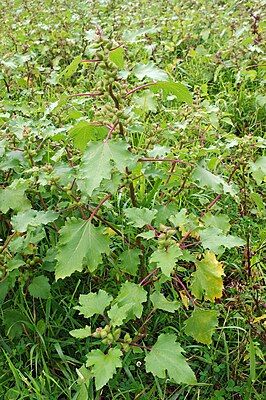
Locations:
column 132, row 172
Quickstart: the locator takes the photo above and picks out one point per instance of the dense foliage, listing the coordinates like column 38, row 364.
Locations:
column 132, row 214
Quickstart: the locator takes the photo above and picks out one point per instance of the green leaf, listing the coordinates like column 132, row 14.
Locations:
column 129, row 261
column 128, row 304
column 201, row 325
column 221, row 221
column 165, row 356
column 179, row 219
column 214, row 239
column 81, row 333
column 159, row 301
column 71, row 68
column 166, row 260
column 151, row 71
column 117, row 56
column 84, row 379
column 98, row 162
column 104, row 365
column 14, row 198
column 175, row 88
column 131, row 36
column 83, row 132
column 80, row 242
column 214, row 182
column 13, row 320
column 139, row 217
column 146, row 102
column 32, row 218
column 40, row 287
column 258, row 169
column 208, row 278
column 93, row 303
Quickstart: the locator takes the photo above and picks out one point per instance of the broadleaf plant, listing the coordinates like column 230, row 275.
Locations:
column 118, row 197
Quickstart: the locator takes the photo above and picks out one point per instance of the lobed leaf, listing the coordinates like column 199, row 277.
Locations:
column 208, row 278
column 104, row 365
column 80, row 243
column 165, row 357
column 201, row 325
column 93, row 303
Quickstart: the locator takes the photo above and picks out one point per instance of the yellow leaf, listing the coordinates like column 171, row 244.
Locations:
column 259, row 318
column 109, row 232
column 184, row 298
column 208, row 278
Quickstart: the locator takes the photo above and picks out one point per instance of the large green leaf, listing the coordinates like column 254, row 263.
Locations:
column 159, row 301
column 83, row 132
column 215, row 240
column 80, row 243
column 221, row 221
column 151, row 71
column 166, row 259
column 208, row 278
column 93, row 303
column 32, row 218
column 139, row 217
column 128, row 304
column 131, row 36
column 81, row 333
column 129, row 261
column 98, row 162
column 165, row 356
column 201, row 325
column 14, row 198
column 145, row 102
column 104, row 365
column 214, row 182
column 40, row 287
column 175, row 88
column 117, row 56
column 179, row 219
column 71, row 68
column 258, row 169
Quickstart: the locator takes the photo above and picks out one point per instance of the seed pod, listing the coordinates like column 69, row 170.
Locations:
column 117, row 333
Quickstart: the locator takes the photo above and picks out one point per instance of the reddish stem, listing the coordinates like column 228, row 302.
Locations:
column 165, row 160
column 110, row 132
column 7, row 242
column 69, row 157
column 139, row 88
column 90, row 61
column 185, row 289
column 147, row 277
column 168, row 178
column 99, row 205
column 85, row 94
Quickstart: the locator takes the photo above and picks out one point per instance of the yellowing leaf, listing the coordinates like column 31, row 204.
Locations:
column 208, row 278
column 259, row 318
column 184, row 298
